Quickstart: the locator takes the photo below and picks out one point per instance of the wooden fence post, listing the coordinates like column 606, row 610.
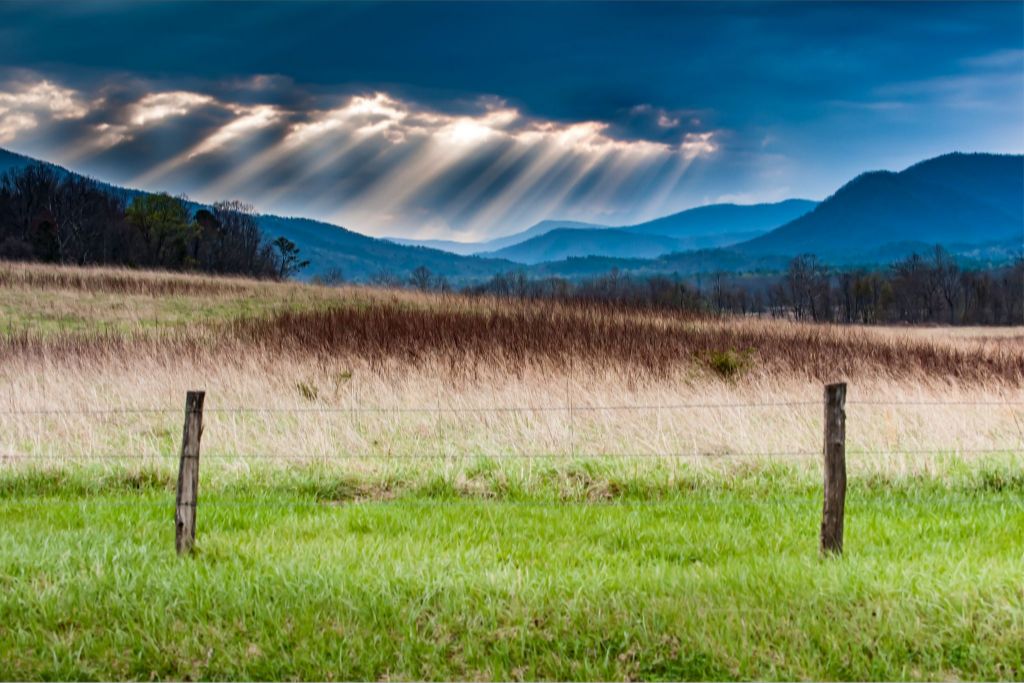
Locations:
column 835, row 469
column 188, row 474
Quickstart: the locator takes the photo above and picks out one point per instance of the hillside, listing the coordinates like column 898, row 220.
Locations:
column 328, row 246
column 704, row 227
column 725, row 219
column 360, row 257
column 956, row 198
column 12, row 161
column 562, row 244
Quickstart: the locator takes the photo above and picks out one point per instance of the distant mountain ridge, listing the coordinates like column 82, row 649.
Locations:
column 726, row 218
column 955, row 198
column 703, row 227
column 561, row 244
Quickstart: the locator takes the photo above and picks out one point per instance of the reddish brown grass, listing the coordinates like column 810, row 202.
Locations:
column 518, row 336
column 515, row 336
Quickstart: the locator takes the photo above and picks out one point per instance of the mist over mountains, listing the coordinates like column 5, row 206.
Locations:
column 484, row 246
column 972, row 204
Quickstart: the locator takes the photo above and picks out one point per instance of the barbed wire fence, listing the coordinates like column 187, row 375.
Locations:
column 186, row 501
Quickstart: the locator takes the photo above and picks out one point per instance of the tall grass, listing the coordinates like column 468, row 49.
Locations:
column 470, row 336
column 594, row 337
column 377, row 373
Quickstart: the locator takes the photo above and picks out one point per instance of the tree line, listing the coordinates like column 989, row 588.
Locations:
column 922, row 288
column 919, row 289
column 54, row 217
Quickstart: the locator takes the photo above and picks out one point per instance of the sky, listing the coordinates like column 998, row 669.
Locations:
column 467, row 121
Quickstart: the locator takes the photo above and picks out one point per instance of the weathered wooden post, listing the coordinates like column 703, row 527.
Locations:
column 188, row 474
column 835, row 469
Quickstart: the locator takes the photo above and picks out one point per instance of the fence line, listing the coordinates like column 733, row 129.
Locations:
column 412, row 500
column 752, row 455
column 367, row 501
column 416, row 456
column 186, row 500
column 568, row 407
column 88, row 411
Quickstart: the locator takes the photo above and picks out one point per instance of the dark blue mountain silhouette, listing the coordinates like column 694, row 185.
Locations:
column 704, row 227
column 952, row 199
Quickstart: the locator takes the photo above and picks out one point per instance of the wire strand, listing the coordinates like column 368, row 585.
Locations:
column 488, row 409
column 569, row 457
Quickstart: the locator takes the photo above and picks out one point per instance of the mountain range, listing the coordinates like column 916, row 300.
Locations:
column 973, row 204
column 704, row 227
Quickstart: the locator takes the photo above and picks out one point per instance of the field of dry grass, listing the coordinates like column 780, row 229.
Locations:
column 361, row 376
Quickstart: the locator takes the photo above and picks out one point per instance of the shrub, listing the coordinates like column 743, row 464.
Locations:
column 730, row 364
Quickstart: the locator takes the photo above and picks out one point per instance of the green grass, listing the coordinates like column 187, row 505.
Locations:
column 45, row 313
column 310, row 574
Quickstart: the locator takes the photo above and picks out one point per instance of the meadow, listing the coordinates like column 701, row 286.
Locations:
column 402, row 485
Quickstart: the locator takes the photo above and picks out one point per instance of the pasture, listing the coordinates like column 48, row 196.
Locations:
column 406, row 485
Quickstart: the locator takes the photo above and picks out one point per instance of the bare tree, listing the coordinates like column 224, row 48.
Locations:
column 421, row 278
column 807, row 281
column 946, row 280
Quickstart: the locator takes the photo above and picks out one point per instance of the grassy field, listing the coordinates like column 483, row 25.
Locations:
column 399, row 485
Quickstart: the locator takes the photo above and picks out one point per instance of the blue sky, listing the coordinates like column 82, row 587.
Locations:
column 469, row 120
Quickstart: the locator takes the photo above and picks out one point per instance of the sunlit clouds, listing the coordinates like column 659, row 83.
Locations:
column 698, row 144
column 372, row 161
column 23, row 106
column 504, row 114
column 247, row 121
column 159, row 106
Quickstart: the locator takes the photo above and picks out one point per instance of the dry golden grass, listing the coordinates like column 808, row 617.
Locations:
column 369, row 378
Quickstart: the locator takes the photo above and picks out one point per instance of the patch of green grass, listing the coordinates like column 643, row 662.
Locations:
column 712, row 577
column 44, row 313
column 730, row 364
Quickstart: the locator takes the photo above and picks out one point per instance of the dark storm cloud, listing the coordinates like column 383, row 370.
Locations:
column 464, row 119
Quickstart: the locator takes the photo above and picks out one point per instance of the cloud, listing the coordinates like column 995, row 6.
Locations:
column 584, row 111
column 698, row 144
column 660, row 123
column 373, row 160
column 993, row 81
column 1009, row 58
column 158, row 106
column 666, row 121
column 24, row 105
